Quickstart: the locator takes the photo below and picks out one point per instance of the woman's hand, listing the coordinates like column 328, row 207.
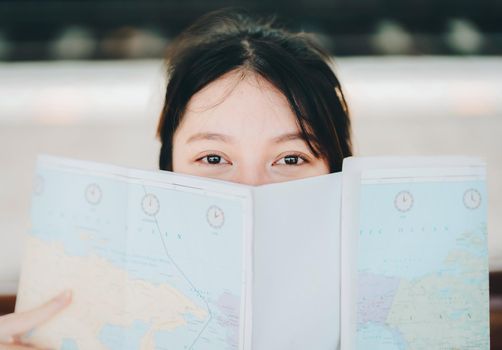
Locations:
column 15, row 325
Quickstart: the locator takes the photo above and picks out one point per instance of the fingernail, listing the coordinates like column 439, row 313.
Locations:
column 64, row 297
column 10, row 340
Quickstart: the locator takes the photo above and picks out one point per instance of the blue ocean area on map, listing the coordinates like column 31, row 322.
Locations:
column 117, row 337
column 69, row 344
column 433, row 225
column 377, row 336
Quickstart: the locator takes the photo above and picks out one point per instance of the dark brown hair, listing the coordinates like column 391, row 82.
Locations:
column 225, row 40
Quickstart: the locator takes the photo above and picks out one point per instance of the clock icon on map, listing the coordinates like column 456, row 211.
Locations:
column 403, row 201
column 150, row 204
column 472, row 198
column 93, row 194
column 215, row 216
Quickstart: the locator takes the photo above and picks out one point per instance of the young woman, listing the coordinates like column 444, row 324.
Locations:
column 245, row 102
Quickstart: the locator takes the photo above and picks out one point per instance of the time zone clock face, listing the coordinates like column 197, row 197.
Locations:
column 150, row 204
column 93, row 194
column 403, row 201
column 215, row 216
column 472, row 198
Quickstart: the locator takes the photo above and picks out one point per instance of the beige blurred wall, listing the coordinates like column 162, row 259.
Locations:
column 107, row 111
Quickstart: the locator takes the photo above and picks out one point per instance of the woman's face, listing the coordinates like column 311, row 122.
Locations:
column 240, row 128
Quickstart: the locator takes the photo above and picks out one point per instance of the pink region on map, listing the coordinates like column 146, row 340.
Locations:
column 229, row 307
column 376, row 294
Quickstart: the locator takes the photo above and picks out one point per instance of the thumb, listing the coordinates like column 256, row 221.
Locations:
column 21, row 322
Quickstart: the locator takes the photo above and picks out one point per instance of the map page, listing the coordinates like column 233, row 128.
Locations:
column 153, row 261
column 422, row 260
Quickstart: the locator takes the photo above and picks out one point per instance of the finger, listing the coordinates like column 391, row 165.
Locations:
column 15, row 347
column 21, row 322
column 18, row 341
column 18, row 347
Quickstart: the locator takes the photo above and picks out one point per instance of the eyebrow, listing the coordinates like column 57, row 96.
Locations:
column 291, row 137
column 210, row 136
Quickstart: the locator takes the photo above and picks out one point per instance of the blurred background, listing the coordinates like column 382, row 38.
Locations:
column 85, row 79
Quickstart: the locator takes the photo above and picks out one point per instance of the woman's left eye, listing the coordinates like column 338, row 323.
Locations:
column 213, row 159
column 291, row 159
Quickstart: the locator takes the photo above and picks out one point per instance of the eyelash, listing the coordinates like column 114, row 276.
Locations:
column 298, row 155
column 213, row 155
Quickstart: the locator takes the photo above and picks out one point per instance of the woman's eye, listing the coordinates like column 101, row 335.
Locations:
column 291, row 160
column 213, row 159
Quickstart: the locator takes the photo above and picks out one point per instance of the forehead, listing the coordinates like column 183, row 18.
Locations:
column 239, row 102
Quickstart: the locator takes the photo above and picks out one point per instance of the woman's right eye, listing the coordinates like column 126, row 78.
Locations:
column 213, row 159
